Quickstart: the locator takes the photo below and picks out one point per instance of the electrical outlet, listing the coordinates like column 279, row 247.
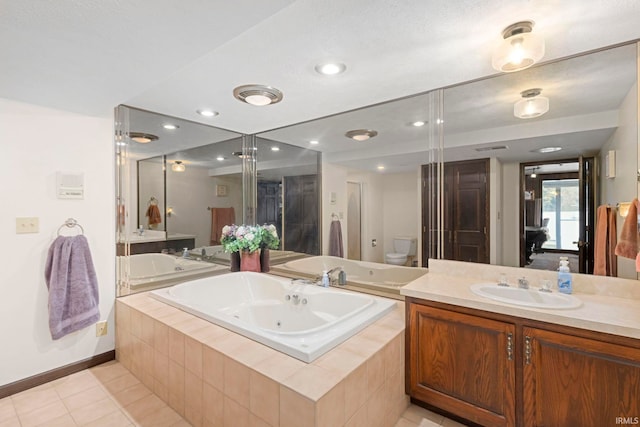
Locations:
column 27, row 225
column 101, row 328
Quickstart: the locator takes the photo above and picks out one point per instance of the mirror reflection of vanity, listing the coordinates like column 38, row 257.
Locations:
column 592, row 113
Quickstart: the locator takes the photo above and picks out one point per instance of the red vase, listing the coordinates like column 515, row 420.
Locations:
column 250, row 261
column 264, row 260
column 235, row 261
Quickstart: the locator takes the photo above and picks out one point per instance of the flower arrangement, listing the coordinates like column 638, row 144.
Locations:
column 238, row 238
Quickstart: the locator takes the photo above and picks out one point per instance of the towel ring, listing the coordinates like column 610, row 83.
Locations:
column 70, row 223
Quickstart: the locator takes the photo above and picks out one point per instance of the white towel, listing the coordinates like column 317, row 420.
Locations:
column 73, row 286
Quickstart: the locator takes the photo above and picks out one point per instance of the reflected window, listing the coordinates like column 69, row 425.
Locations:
column 561, row 213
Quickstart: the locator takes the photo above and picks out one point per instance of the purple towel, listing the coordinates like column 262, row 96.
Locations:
column 335, row 239
column 73, row 286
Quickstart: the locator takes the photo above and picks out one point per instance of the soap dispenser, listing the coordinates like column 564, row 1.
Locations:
column 565, row 281
column 325, row 279
column 185, row 252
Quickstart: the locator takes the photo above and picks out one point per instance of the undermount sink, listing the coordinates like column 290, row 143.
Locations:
column 526, row 297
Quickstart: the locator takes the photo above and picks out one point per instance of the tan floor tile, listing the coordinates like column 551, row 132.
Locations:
column 416, row 414
column 131, row 394
column 403, row 422
column 10, row 422
column 43, row 414
column 108, row 371
column 65, row 420
column 87, row 397
column 94, row 411
column 6, row 409
column 114, row 419
column 181, row 423
column 75, row 383
column 139, row 409
column 30, row 400
column 123, row 382
column 450, row 423
column 163, row 417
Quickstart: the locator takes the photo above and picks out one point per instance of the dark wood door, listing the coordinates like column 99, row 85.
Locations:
column 300, row 222
column 462, row 364
column 587, row 202
column 466, row 211
column 269, row 209
column 575, row 381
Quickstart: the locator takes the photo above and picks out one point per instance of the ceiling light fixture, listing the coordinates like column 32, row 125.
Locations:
column 274, row 148
column 170, row 126
column 520, row 48
column 240, row 155
column 178, row 166
column 142, row 138
column 207, row 113
column 419, row 123
column 220, row 158
column 381, row 168
column 314, row 142
column 533, row 172
column 330, row 68
column 531, row 105
column 361, row 134
column 258, row 95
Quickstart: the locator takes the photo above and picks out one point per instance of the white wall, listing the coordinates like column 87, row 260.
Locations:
column 401, row 195
column 37, row 142
column 189, row 193
column 372, row 213
column 334, row 180
column 622, row 188
column 510, row 222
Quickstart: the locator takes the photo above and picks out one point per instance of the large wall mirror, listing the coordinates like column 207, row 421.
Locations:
column 523, row 176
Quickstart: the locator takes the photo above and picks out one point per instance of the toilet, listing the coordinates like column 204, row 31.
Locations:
column 404, row 249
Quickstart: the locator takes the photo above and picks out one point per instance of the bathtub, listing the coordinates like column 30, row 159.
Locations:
column 153, row 268
column 218, row 252
column 358, row 272
column 301, row 320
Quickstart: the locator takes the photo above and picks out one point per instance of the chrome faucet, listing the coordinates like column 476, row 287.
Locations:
column 523, row 283
column 333, row 280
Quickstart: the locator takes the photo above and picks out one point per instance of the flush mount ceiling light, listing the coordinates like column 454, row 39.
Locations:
column 258, row 95
column 361, row 134
column 178, row 166
column 142, row 138
column 220, row 158
column 546, row 150
column 274, row 148
column 170, row 126
column 520, row 48
column 207, row 113
column 330, row 68
column 531, row 105
column 419, row 123
column 314, row 142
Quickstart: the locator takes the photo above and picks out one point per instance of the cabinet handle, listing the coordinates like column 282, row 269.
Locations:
column 527, row 350
column 509, row 346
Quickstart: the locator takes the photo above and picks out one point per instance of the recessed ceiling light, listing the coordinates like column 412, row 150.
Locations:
column 220, row 158
column 547, row 150
column 142, row 137
column 330, row 68
column 419, row 123
column 207, row 113
column 314, row 142
column 381, row 168
column 274, row 148
column 361, row 134
column 258, row 95
column 170, row 126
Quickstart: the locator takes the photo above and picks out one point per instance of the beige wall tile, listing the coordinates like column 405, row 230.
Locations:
column 250, row 353
column 213, row 405
column 295, row 409
column 235, row 415
column 213, row 368
column 312, row 381
column 377, row 408
column 330, row 409
column 193, row 398
column 161, row 367
column 255, row 421
column 190, row 325
column 161, row 338
column 375, row 371
column 147, row 330
column 176, row 346
column 359, row 419
column 355, row 391
column 136, row 323
column 236, row 381
column 279, row 366
column 362, row 346
column 340, row 361
column 161, row 390
column 264, row 398
column 176, row 387
column 123, row 316
column 193, row 356
column 394, row 355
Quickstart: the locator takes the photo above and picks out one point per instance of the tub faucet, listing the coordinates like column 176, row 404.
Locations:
column 523, row 283
column 333, row 280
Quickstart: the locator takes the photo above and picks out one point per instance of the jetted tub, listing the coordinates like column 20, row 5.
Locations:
column 301, row 320
column 146, row 269
column 358, row 272
column 219, row 253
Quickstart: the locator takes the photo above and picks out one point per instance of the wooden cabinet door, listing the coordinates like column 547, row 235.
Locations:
column 573, row 381
column 462, row 364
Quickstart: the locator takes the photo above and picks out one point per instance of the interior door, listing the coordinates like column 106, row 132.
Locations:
column 300, row 217
column 587, row 203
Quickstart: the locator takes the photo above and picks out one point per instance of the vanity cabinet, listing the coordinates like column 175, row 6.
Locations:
column 498, row 370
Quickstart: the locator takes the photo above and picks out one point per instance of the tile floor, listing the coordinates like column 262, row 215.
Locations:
column 108, row 395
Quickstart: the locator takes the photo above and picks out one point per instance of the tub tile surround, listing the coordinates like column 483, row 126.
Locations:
column 213, row 377
column 610, row 305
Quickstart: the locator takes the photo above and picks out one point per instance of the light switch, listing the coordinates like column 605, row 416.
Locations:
column 27, row 225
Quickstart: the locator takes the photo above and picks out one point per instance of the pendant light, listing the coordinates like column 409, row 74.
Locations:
column 531, row 105
column 520, row 48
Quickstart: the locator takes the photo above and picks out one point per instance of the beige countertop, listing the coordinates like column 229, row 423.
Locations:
column 601, row 313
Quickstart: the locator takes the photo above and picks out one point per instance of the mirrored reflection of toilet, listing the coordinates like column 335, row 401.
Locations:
column 404, row 250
